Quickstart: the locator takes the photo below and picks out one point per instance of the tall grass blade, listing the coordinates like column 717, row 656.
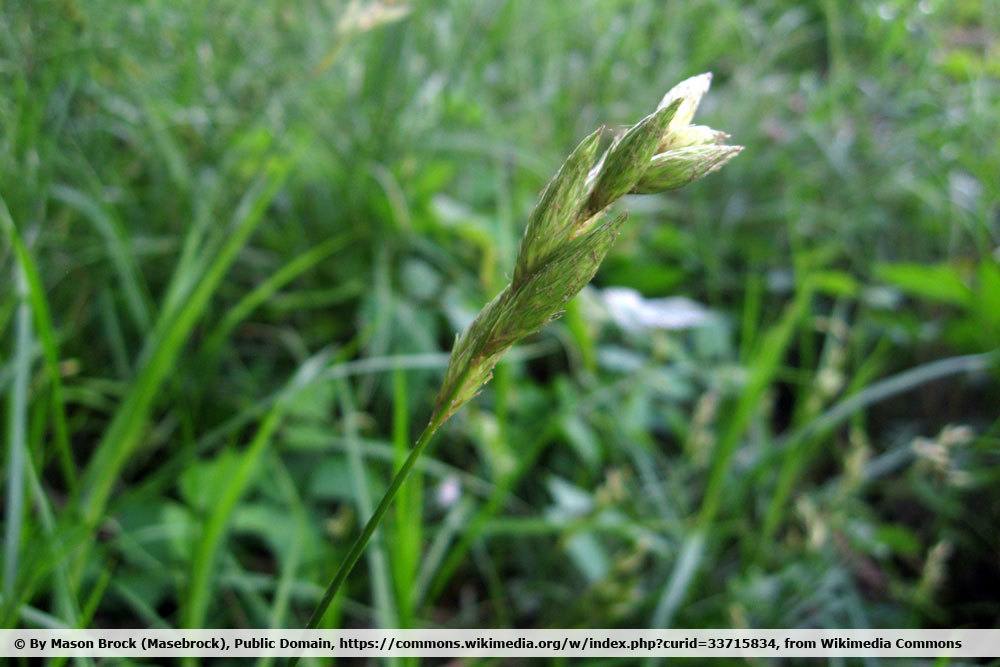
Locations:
column 265, row 290
column 764, row 367
column 409, row 509
column 378, row 565
column 234, row 487
column 50, row 348
column 17, row 434
column 124, row 432
column 122, row 258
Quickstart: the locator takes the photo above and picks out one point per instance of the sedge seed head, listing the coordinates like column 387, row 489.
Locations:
column 569, row 234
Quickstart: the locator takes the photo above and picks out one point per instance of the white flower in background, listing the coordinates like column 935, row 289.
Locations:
column 633, row 312
column 448, row 491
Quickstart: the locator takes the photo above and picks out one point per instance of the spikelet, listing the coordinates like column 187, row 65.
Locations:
column 568, row 234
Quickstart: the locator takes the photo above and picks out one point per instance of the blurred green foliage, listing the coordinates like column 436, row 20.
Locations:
column 242, row 236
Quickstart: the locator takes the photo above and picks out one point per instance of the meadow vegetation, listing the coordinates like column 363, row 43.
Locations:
column 237, row 241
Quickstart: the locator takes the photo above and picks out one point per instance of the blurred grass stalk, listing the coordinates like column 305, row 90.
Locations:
column 766, row 364
column 163, row 347
column 17, row 432
column 566, row 239
column 792, row 447
column 32, row 304
column 38, row 302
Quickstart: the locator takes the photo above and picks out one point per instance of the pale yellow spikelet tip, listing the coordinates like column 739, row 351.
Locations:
column 691, row 90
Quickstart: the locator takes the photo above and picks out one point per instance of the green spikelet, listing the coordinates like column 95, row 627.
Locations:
column 565, row 240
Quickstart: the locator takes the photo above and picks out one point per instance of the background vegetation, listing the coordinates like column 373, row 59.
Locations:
column 242, row 236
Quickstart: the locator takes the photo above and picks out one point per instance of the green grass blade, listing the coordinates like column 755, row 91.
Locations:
column 212, row 535
column 763, row 369
column 269, row 287
column 206, row 552
column 136, row 294
column 50, row 349
column 681, row 577
column 17, row 432
column 811, row 433
column 124, row 432
column 409, row 508
column 192, row 260
column 458, row 523
column 378, row 567
column 291, row 559
column 65, row 599
column 494, row 504
column 795, row 459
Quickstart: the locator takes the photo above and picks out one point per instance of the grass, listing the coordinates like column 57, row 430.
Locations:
column 28, row 272
column 568, row 235
column 17, row 448
column 240, row 475
column 202, row 203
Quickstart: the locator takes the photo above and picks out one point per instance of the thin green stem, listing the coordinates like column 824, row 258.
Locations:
column 358, row 548
column 441, row 413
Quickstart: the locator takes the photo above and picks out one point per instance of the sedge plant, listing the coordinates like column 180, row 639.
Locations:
column 569, row 233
